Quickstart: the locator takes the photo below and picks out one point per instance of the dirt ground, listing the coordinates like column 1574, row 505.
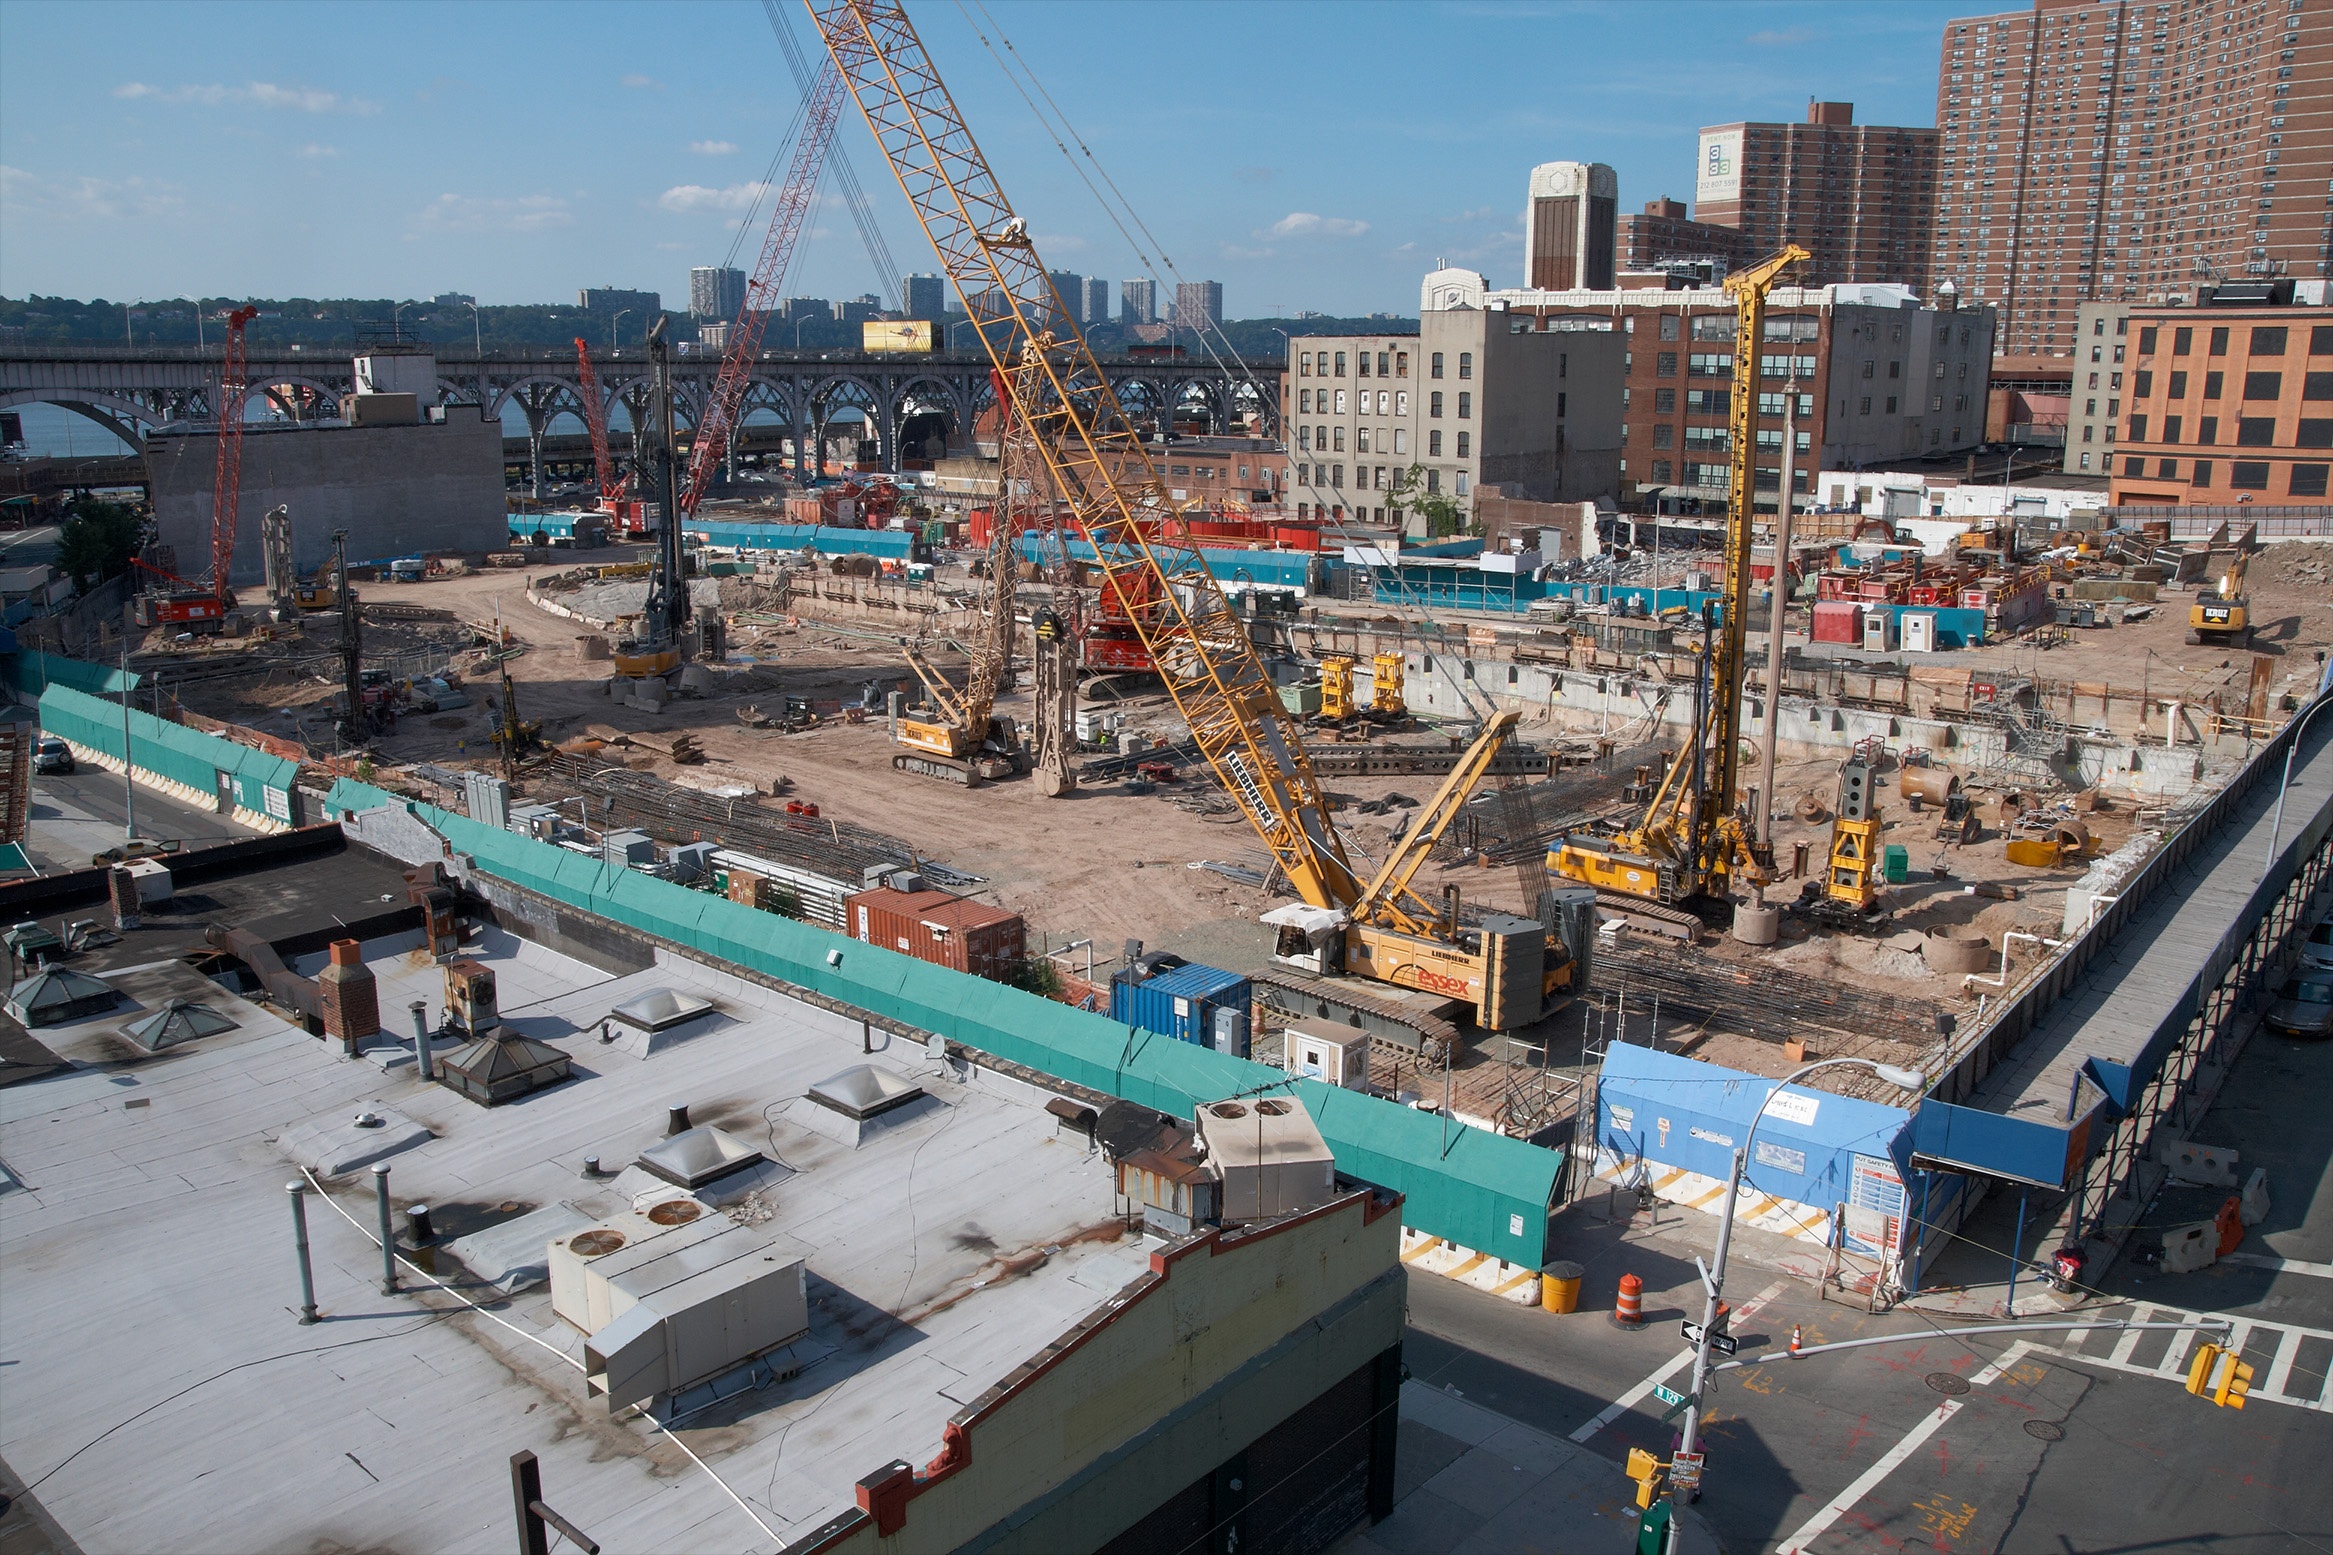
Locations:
column 1110, row 865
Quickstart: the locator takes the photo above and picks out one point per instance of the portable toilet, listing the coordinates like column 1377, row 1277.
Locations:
column 1879, row 631
column 1919, row 631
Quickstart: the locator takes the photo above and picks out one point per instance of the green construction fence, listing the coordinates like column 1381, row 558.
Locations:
column 1481, row 1190
column 262, row 783
column 32, row 672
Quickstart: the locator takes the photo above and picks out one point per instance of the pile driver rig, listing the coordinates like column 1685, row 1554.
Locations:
column 1377, row 952
column 1692, row 840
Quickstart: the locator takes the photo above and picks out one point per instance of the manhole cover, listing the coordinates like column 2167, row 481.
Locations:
column 676, row 1212
column 594, row 1244
column 2045, row 1430
column 1948, row 1382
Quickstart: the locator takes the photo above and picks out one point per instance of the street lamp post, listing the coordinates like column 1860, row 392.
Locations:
column 960, row 324
column 2276, row 822
column 1714, row 1281
column 477, row 336
column 613, row 325
column 396, row 318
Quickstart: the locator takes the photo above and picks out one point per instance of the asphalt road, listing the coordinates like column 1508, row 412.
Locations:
column 78, row 814
column 1998, row 1443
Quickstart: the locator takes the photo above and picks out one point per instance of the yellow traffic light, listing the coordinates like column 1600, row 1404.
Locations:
column 2233, row 1385
column 1645, row 1469
column 2200, row 1367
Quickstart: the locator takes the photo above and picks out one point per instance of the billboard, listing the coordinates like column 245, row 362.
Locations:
column 896, row 335
column 1717, row 174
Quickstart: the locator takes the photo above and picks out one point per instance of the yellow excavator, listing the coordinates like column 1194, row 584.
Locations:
column 1691, row 840
column 1379, row 953
column 2223, row 617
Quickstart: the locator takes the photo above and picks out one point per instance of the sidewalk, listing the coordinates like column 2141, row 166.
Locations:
column 1470, row 1481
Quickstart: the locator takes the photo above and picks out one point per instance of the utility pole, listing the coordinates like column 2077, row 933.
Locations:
column 668, row 586
column 358, row 727
column 129, row 772
column 1774, row 648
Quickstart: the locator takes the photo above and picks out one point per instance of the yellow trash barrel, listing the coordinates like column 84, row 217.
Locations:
column 1559, row 1287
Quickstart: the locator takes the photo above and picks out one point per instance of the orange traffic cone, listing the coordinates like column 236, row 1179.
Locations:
column 1628, row 1307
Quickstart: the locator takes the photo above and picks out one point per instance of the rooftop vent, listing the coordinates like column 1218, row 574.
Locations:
column 502, row 1066
column 181, row 1020
column 660, row 1009
column 697, row 1156
column 58, row 996
column 864, row 1091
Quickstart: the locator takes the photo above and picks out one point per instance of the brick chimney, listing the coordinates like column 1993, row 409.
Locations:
column 352, row 1001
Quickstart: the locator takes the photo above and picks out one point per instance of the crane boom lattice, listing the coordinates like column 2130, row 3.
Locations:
column 724, row 407
column 227, row 480
column 1099, row 466
column 595, row 417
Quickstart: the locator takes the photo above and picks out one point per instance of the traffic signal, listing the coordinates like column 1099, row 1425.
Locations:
column 2234, row 1384
column 2200, row 1367
column 1645, row 1469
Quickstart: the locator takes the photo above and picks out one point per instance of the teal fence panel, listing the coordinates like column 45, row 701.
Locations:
column 31, row 672
column 172, row 751
column 1482, row 1190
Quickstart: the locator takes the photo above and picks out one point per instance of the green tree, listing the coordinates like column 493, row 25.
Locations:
column 99, row 539
column 1444, row 514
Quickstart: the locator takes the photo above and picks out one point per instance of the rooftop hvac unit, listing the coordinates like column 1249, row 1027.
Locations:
column 688, row 1307
column 1328, row 1052
column 470, row 1004
column 1268, row 1155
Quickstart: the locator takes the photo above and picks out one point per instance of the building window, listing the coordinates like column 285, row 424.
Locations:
column 1868, row 366
column 2207, row 430
column 1401, row 440
column 2087, row 438
column 2136, row 466
column 2093, row 376
column 1434, row 477
column 2321, row 340
column 1435, row 370
column 2085, row 457
column 1360, row 440
column 2256, row 432
column 2183, row 340
column 2143, row 384
column 1434, row 444
column 1361, row 366
column 2268, row 339
column 1434, row 403
column 1891, row 404
column 1304, row 402
column 2171, row 428
column 1340, row 402
column 1671, row 326
column 1401, row 364
column 2219, row 340
column 2263, row 386
column 2317, row 386
column 1465, row 445
column 2308, row 480
column 1465, row 405
column 1664, row 436
column 1338, row 434
column 2248, row 475
column 2147, row 341
column 2202, row 475
column 1863, row 408
column 2313, row 432
column 1465, row 364
column 2179, row 385
column 1458, row 483
column 1561, row 406
column 1304, row 439
column 1661, row 472
column 2167, row 469
column 2138, row 429
column 1665, row 402
column 1304, row 364
column 1337, row 476
column 1401, row 402
column 2213, row 383
column 1895, row 369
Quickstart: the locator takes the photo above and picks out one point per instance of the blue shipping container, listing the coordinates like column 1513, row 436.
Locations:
column 1182, row 1003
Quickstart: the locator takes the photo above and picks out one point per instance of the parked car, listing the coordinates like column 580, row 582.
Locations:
column 52, row 755
column 2304, row 1006
column 2317, row 949
column 136, row 847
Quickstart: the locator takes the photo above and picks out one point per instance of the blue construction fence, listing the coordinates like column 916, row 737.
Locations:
column 1482, row 1190
column 253, row 779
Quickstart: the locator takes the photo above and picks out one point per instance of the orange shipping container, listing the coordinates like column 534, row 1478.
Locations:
column 936, row 927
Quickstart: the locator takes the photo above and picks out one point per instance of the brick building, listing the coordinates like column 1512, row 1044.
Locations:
column 2128, row 152
column 1881, row 378
column 1570, row 239
column 2229, row 402
column 1663, row 233
column 1858, row 197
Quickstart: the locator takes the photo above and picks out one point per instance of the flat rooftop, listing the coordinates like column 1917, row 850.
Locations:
column 152, row 1338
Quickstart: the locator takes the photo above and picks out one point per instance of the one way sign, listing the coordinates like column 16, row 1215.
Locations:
column 1723, row 1344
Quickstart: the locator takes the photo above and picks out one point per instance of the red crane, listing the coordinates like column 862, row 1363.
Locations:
column 721, row 410
column 227, row 484
column 595, row 416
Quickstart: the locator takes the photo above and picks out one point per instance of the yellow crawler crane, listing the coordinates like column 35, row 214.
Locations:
column 1376, row 953
column 1690, row 841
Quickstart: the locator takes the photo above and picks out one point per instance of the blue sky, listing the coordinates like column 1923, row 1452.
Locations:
column 1316, row 156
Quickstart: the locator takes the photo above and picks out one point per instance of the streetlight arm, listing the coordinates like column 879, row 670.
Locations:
column 2276, row 823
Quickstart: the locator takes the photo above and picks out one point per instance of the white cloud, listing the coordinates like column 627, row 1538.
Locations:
column 87, row 199
column 257, row 94
column 315, row 150
column 714, row 148
column 1304, row 224
column 642, row 83
column 691, row 199
column 470, row 213
column 1235, row 251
